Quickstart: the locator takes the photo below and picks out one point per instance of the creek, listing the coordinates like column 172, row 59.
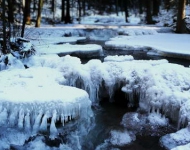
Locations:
column 109, row 116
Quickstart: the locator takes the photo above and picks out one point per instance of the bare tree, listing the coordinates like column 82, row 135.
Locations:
column 116, row 7
column 68, row 16
column 4, row 48
column 126, row 3
column 181, row 28
column 84, row 7
column 26, row 16
column 40, row 6
column 148, row 12
column 63, row 11
column 79, row 9
column 156, row 5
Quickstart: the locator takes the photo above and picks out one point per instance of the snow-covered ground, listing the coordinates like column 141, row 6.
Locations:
column 173, row 45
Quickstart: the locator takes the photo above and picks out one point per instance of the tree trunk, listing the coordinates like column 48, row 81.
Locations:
column 10, row 13
column 116, row 7
column 84, row 7
column 148, row 12
column 40, row 5
column 126, row 10
column 79, row 9
column 156, row 6
column 4, row 50
column 181, row 28
column 63, row 11
column 53, row 8
column 24, row 18
column 68, row 16
column 140, row 7
column 27, row 11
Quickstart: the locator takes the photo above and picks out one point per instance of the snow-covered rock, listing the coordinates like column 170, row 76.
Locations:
column 31, row 97
column 178, row 140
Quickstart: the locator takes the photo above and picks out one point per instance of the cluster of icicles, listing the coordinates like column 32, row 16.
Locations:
column 37, row 117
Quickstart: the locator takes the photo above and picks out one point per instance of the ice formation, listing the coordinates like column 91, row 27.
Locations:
column 145, row 124
column 119, row 58
column 121, row 138
column 34, row 100
column 174, row 140
column 87, row 51
column 163, row 89
column 161, row 86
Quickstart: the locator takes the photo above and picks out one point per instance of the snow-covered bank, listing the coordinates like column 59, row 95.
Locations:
column 173, row 45
column 82, row 51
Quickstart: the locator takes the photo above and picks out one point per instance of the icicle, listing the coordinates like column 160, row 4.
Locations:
column 43, row 126
column 62, row 119
column 1, row 108
column 13, row 117
column 21, row 119
column 37, row 122
column 53, row 129
column 3, row 116
column 27, row 123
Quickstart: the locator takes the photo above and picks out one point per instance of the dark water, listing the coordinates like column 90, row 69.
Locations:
column 108, row 117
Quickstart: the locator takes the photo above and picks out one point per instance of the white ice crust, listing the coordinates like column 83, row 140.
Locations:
column 28, row 98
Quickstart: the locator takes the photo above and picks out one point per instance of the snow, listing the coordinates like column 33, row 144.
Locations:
column 157, row 119
column 29, row 97
column 182, row 147
column 120, row 138
column 49, row 88
column 145, row 123
column 162, row 43
column 117, row 138
column 118, row 58
column 67, row 48
column 174, row 140
column 162, row 86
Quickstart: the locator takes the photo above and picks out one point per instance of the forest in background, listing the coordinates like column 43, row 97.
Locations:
column 16, row 14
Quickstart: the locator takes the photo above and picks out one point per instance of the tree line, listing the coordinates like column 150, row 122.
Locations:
column 15, row 14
